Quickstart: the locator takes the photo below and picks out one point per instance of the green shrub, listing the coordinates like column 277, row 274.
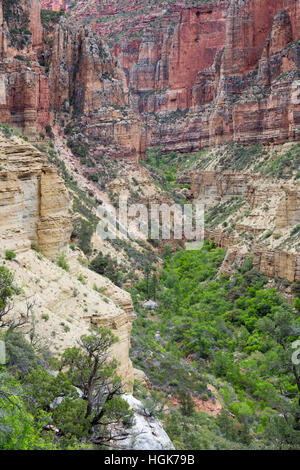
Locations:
column 9, row 255
column 62, row 262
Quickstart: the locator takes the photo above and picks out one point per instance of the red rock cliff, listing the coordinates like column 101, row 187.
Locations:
column 89, row 90
column 201, row 76
column 64, row 73
column 247, row 87
column 24, row 92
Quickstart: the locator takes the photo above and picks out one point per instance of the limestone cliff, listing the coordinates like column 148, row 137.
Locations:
column 34, row 201
column 34, row 213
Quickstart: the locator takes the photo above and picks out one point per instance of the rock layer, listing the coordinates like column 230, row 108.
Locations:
column 212, row 73
column 34, row 204
column 248, row 88
column 88, row 87
column 24, row 89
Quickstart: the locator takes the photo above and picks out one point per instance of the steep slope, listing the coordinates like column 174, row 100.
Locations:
column 34, row 201
column 24, row 97
column 115, row 20
column 34, row 213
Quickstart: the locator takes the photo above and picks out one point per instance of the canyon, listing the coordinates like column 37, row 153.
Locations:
column 162, row 102
column 35, row 223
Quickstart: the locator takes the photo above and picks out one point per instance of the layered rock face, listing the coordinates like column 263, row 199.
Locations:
column 24, row 89
column 204, row 75
column 88, row 88
column 251, row 213
column 163, row 68
column 34, row 211
column 64, row 73
column 34, row 204
column 248, row 89
column 208, row 74
column 112, row 19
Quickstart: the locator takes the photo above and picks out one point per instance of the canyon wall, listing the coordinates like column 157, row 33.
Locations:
column 24, row 88
column 64, row 73
column 251, row 213
column 162, row 68
column 88, row 88
column 34, row 204
column 247, row 88
column 207, row 74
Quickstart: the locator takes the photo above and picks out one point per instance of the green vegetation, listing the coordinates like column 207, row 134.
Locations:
column 78, row 147
column 18, row 21
column 50, row 18
column 9, row 255
column 108, row 267
column 283, row 165
column 232, row 333
column 231, row 157
column 42, row 410
column 62, row 262
column 84, row 221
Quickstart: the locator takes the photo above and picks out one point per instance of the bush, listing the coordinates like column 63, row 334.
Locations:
column 62, row 262
column 9, row 255
column 108, row 267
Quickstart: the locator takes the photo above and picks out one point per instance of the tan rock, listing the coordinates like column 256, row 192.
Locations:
column 34, row 205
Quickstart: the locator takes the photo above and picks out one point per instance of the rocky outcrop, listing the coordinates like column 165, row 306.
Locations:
column 88, row 87
column 213, row 187
column 34, row 205
column 147, row 433
column 247, row 212
column 273, row 264
column 24, row 89
column 278, row 264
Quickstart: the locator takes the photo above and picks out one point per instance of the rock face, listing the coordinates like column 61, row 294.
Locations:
column 24, row 90
column 34, row 205
column 208, row 74
column 147, row 433
column 247, row 90
column 251, row 213
column 63, row 73
column 197, row 77
column 34, row 211
column 163, row 68
column 88, row 87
